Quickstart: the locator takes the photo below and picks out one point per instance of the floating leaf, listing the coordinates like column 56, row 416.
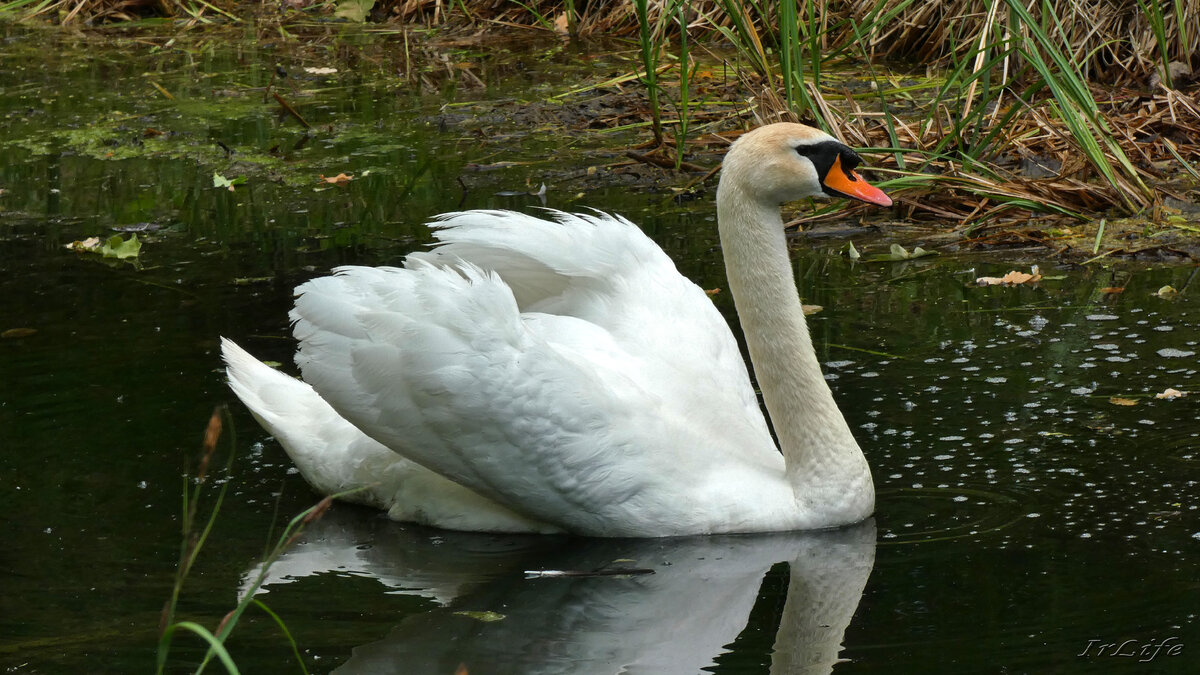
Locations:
column 220, row 181
column 320, row 71
column 339, row 179
column 898, row 252
column 713, row 291
column 852, row 252
column 1170, row 394
column 18, row 332
column 1117, row 400
column 121, row 249
column 1013, row 278
column 1166, row 292
column 354, row 10
column 485, row 616
column 809, row 310
column 90, row 244
column 1112, row 290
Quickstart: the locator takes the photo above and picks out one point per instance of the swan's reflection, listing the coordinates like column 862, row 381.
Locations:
column 676, row 620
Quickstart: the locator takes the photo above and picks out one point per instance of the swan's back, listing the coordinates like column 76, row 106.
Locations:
column 562, row 368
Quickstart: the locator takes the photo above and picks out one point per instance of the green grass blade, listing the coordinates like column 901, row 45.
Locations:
column 286, row 633
column 214, row 644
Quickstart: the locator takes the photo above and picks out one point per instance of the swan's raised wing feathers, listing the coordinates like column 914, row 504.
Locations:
column 560, row 416
column 447, row 381
column 603, row 269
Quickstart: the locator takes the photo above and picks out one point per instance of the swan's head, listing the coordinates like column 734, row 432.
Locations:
column 782, row 162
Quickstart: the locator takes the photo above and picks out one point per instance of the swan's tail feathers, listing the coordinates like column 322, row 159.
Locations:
column 316, row 438
column 334, row 456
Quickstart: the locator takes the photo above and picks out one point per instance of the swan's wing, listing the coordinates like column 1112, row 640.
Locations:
column 549, row 415
column 605, row 270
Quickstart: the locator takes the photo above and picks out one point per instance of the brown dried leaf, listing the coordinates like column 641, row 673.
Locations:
column 89, row 244
column 1170, row 394
column 339, row 179
column 25, row 332
column 1113, row 289
column 1013, row 278
column 1117, row 400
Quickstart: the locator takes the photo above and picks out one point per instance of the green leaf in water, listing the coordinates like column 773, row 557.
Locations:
column 898, row 252
column 486, row 617
column 852, row 252
column 220, row 181
column 354, row 10
column 121, row 249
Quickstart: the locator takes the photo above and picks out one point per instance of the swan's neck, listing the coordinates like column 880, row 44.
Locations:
column 825, row 466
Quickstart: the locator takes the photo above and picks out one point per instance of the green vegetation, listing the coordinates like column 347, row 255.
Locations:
column 1002, row 109
column 195, row 535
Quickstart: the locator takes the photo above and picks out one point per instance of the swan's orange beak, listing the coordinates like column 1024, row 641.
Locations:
column 852, row 185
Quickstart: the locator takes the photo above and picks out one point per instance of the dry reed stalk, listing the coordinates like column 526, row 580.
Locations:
column 1110, row 40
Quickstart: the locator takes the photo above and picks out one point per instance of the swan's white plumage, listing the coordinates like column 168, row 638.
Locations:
column 560, row 416
column 334, row 456
column 541, row 374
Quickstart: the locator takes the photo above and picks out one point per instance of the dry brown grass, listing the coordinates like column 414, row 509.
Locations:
column 1035, row 161
column 1110, row 39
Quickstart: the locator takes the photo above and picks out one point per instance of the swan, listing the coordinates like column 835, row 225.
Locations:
column 560, row 375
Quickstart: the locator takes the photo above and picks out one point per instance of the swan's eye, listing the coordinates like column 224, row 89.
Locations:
column 825, row 155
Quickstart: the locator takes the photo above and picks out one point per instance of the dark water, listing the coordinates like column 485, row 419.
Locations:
column 1024, row 518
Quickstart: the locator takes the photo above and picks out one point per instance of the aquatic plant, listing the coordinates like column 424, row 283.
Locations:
column 196, row 534
column 1022, row 106
column 650, row 46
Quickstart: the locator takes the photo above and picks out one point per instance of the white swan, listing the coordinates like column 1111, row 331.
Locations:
column 541, row 376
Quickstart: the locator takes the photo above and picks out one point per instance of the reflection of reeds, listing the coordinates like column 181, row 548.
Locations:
column 194, row 540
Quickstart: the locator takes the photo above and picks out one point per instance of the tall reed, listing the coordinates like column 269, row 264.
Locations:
column 687, row 71
column 650, row 48
column 194, row 538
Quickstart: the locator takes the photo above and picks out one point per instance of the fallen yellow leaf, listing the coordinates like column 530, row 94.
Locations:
column 338, row 179
column 1013, row 278
column 89, row 244
column 1116, row 400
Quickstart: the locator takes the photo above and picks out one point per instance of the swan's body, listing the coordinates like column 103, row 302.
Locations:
column 533, row 375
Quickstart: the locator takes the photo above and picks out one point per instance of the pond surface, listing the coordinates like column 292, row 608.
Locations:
column 1027, row 514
